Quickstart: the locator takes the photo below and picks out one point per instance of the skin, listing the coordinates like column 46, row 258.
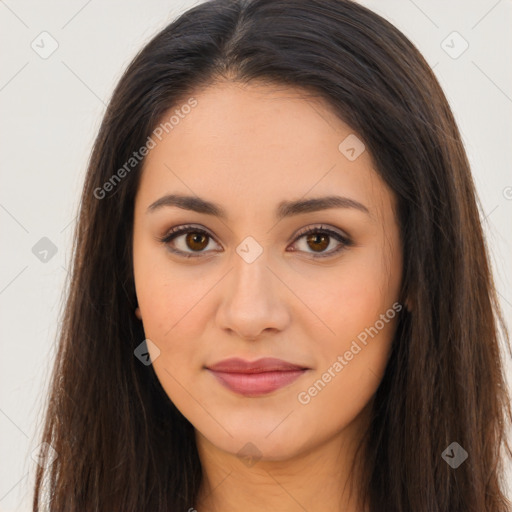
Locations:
column 247, row 148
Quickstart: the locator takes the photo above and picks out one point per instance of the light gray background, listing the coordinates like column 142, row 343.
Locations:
column 51, row 110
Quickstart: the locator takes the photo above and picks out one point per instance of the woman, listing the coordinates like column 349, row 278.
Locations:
column 253, row 150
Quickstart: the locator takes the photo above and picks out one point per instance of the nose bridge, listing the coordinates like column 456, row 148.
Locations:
column 251, row 279
column 250, row 304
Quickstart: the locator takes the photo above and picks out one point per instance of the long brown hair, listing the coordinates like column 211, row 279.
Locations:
column 121, row 443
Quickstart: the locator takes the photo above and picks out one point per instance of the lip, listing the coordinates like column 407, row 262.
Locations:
column 256, row 378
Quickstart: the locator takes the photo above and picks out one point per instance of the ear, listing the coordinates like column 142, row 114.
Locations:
column 408, row 304
column 137, row 313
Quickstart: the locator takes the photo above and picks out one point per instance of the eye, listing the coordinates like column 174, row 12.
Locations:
column 197, row 239
column 319, row 238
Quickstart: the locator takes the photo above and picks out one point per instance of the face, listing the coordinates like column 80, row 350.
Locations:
column 255, row 276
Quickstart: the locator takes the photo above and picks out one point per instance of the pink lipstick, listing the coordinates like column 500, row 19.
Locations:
column 255, row 378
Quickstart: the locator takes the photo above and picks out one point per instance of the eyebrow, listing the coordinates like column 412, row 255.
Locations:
column 284, row 208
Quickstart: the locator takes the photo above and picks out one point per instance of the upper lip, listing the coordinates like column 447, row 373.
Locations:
column 265, row 364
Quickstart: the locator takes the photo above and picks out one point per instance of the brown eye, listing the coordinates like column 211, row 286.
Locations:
column 318, row 239
column 318, row 242
column 190, row 241
column 196, row 241
column 187, row 241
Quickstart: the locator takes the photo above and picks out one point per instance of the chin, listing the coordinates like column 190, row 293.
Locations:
column 256, row 444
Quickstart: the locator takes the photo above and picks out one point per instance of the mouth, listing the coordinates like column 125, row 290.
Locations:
column 256, row 378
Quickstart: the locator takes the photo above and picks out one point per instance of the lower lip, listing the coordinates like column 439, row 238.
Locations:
column 256, row 384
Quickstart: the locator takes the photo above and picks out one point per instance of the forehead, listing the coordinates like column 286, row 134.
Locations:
column 242, row 121
column 254, row 144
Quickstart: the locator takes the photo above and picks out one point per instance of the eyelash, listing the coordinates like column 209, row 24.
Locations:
column 179, row 230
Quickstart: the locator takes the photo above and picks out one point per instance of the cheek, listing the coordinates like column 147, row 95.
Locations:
column 175, row 309
column 364, row 320
column 352, row 362
column 164, row 293
column 351, row 298
column 167, row 307
column 356, row 304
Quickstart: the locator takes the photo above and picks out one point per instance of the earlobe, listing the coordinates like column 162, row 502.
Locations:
column 137, row 313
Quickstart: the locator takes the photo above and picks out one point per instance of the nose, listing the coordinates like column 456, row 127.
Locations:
column 254, row 300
